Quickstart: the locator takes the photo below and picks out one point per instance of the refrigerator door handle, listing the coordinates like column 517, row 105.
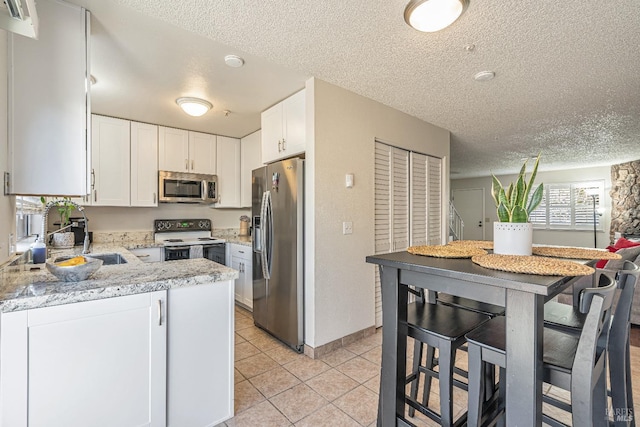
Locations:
column 264, row 213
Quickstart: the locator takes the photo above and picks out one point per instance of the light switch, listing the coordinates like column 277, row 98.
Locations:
column 347, row 227
column 348, row 180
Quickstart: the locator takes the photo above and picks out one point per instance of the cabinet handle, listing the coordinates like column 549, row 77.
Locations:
column 95, row 195
column 159, row 312
column 186, row 164
column 193, row 163
column 241, row 252
column 154, row 198
column 279, row 145
column 93, row 178
column 242, row 267
column 144, row 256
column 284, row 147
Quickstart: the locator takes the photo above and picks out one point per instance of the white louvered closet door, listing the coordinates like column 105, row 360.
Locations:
column 434, row 205
column 419, row 198
column 391, row 183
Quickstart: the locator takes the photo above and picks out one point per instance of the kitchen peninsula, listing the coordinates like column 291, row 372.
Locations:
column 135, row 344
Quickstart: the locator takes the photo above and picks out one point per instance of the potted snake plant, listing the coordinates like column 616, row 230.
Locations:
column 513, row 233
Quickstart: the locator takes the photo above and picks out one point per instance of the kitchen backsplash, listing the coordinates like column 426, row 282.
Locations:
column 123, row 237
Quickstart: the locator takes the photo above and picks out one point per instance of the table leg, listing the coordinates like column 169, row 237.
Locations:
column 525, row 315
column 394, row 347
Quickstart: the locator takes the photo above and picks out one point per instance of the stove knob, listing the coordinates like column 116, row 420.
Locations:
column 167, row 225
column 207, row 224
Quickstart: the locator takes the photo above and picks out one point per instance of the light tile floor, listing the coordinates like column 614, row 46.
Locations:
column 274, row 386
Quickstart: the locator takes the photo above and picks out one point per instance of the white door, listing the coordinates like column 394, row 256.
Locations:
column 173, row 149
column 293, row 113
column 202, row 153
column 110, row 161
column 94, row 363
column 271, row 121
column 470, row 206
column 144, row 164
column 228, row 158
column 250, row 159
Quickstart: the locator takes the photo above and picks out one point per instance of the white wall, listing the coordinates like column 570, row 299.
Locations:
column 7, row 203
column 345, row 126
column 549, row 237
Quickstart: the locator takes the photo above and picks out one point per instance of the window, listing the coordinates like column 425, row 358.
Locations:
column 570, row 206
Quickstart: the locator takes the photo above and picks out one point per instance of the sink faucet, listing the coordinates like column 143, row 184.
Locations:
column 45, row 215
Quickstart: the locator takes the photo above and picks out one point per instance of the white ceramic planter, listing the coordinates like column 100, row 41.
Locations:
column 63, row 240
column 512, row 238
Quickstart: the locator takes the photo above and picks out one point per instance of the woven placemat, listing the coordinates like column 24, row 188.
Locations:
column 532, row 265
column 482, row 244
column 446, row 251
column 574, row 253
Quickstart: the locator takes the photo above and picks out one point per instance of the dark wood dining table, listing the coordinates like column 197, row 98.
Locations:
column 523, row 296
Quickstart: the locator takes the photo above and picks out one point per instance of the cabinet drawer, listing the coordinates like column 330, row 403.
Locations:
column 240, row 251
column 148, row 254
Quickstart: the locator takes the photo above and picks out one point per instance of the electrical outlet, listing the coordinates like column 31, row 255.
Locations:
column 347, row 227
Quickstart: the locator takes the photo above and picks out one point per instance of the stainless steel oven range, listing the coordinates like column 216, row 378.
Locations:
column 188, row 238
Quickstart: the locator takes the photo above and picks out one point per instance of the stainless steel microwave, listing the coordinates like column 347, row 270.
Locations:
column 181, row 187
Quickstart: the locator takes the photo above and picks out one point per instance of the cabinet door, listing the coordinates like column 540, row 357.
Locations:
column 47, row 104
column 236, row 264
column 228, row 158
column 250, row 159
column 200, row 355
column 144, row 164
column 173, row 149
column 247, row 278
column 294, row 122
column 148, row 254
column 110, row 161
column 94, row 363
column 202, row 153
column 271, row 121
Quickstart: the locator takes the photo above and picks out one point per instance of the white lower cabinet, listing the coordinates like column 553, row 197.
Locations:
column 161, row 358
column 241, row 260
column 200, row 355
column 94, row 363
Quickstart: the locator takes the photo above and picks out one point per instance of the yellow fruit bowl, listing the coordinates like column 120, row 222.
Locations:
column 74, row 269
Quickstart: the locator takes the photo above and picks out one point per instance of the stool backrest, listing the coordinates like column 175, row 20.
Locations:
column 627, row 279
column 596, row 302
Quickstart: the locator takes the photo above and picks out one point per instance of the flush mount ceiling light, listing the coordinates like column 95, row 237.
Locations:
column 194, row 106
column 233, row 61
column 433, row 15
column 484, row 76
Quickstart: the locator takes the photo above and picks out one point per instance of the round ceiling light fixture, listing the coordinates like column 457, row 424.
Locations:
column 234, row 61
column 433, row 15
column 484, row 76
column 194, row 106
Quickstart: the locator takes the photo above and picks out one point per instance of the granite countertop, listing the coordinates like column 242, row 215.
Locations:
column 238, row 240
column 22, row 289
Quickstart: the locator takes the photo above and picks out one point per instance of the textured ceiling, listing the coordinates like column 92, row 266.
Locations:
column 566, row 81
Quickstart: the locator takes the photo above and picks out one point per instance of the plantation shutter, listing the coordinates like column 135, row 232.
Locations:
column 434, row 216
column 382, row 215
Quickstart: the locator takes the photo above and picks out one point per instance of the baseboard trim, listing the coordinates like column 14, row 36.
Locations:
column 317, row 352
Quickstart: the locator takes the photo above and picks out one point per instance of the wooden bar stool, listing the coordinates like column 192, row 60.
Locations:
column 574, row 363
column 569, row 319
column 443, row 327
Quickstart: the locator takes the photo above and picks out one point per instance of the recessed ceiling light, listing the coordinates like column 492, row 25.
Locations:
column 484, row 76
column 433, row 15
column 194, row 106
column 233, row 61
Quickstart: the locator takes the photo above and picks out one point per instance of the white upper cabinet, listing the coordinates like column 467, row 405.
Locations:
column 186, row 151
column 228, row 159
column 202, row 153
column 173, row 149
column 144, row 164
column 283, row 129
column 250, row 159
column 110, row 161
column 47, row 104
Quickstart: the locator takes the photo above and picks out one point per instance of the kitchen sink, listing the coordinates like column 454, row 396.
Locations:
column 107, row 259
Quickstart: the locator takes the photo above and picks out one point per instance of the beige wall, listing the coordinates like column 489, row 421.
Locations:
column 555, row 237
column 7, row 203
column 341, row 140
column 105, row 218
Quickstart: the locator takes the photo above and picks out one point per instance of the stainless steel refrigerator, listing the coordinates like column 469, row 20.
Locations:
column 278, row 250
